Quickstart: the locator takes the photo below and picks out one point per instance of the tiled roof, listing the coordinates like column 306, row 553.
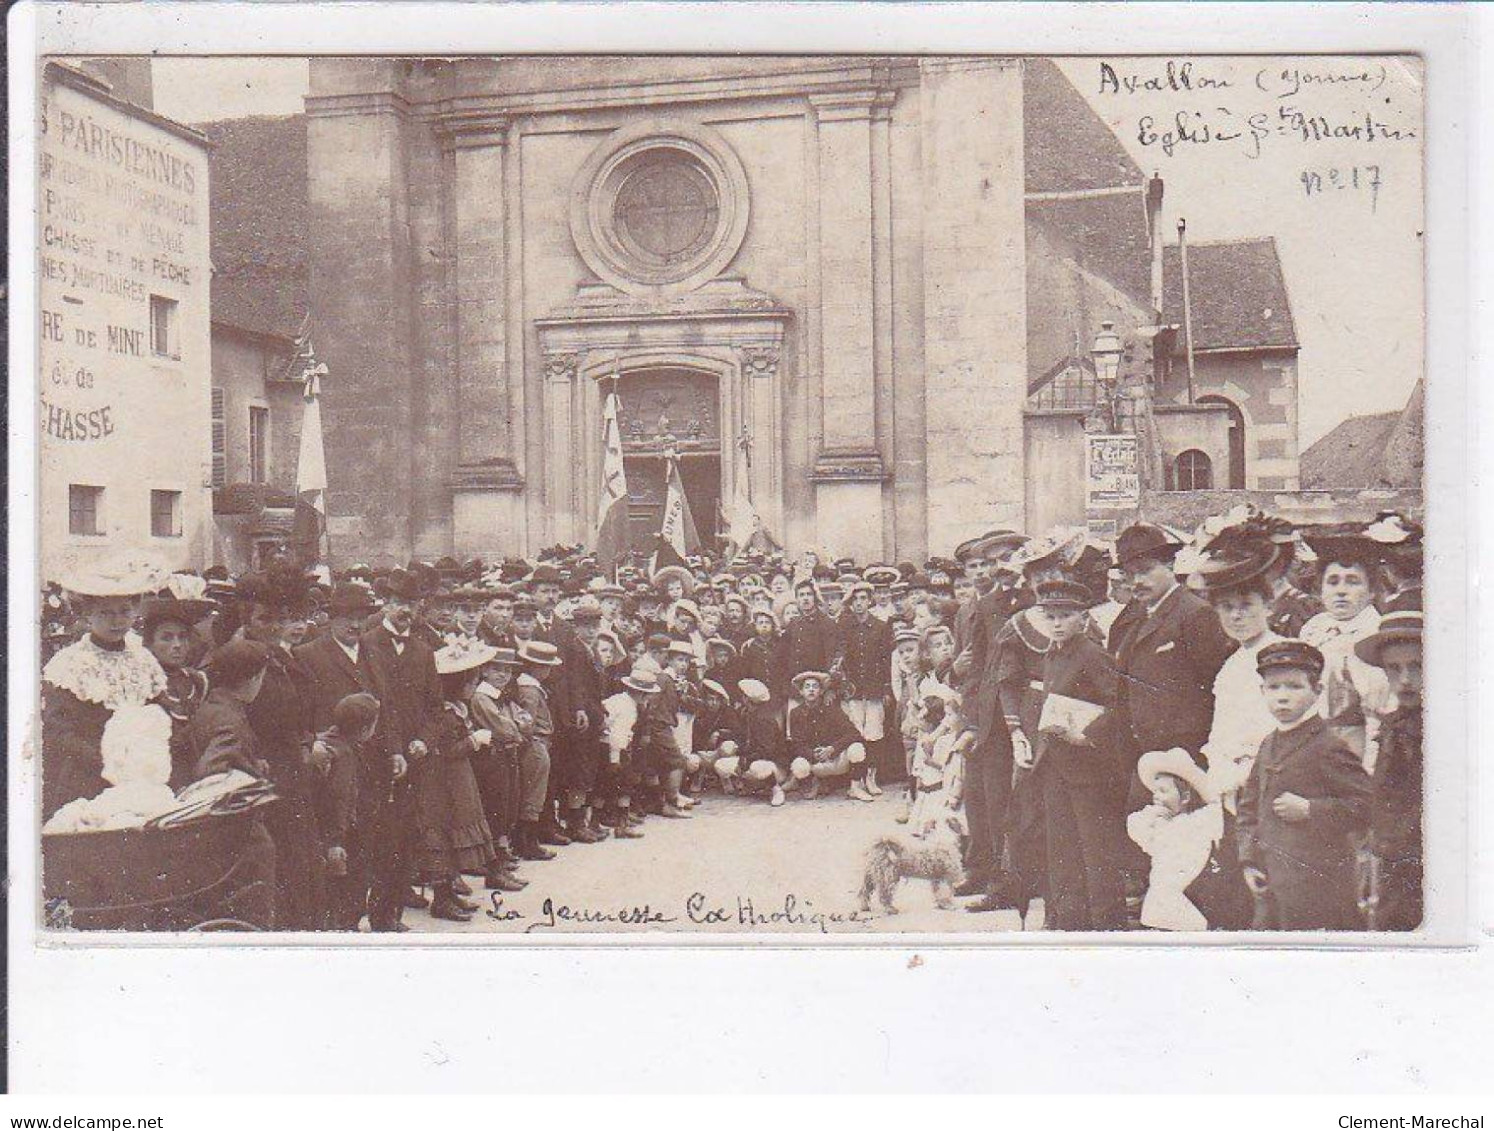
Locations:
column 1383, row 450
column 1108, row 235
column 1067, row 146
column 261, row 272
column 1238, row 295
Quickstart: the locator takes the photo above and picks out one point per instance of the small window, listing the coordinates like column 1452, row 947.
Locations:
column 163, row 327
column 166, row 514
column 1195, row 472
column 85, row 510
column 259, row 444
column 220, row 440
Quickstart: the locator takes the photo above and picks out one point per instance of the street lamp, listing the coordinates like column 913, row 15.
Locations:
column 1106, row 353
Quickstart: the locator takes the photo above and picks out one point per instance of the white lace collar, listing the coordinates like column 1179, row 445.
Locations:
column 111, row 679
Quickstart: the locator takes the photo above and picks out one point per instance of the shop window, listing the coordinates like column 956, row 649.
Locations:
column 85, row 510
column 1193, row 471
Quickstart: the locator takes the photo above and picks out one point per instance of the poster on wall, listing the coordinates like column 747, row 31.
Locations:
column 1112, row 478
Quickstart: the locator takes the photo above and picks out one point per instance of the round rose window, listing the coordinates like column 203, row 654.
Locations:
column 660, row 207
column 666, row 208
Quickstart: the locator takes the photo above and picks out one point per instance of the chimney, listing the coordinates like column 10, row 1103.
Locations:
column 128, row 76
column 1154, row 230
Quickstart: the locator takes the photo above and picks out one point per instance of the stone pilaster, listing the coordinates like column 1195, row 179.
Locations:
column 850, row 470
column 561, row 370
column 361, row 294
column 487, row 511
column 975, row 300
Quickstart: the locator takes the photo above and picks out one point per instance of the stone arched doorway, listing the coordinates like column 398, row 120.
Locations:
column 664, row 407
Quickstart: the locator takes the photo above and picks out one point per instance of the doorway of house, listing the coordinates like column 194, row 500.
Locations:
column 668, row 407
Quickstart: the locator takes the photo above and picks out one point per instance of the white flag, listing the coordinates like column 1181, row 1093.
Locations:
column 612, row 510
column 678, row 530
column 311, row 465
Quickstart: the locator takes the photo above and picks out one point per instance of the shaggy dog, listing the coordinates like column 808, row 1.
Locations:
column 890, row 861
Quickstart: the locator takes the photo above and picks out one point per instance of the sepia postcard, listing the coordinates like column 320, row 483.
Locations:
column 730, row 496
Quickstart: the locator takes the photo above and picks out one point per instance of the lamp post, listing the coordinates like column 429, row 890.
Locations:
column 1106, row 353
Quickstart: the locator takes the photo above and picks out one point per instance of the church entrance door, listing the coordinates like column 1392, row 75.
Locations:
column 663, row 408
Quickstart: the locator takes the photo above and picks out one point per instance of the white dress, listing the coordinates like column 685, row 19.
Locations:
column 1179, row 847
column 1241, row 720
column 1348, row 680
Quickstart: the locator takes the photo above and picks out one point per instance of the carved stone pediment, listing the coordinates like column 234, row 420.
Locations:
column 727, row 295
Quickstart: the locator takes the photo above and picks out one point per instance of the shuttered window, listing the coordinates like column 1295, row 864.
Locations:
column 220, row 440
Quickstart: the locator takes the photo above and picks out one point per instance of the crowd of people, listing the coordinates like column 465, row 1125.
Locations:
column 1221, row 731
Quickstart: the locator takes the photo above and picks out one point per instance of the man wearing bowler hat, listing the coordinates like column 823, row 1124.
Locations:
column 1168, row 646
column 331, row 661
column 401, row 670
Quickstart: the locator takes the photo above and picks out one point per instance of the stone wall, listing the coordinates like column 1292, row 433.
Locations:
column 1186, row 509
column 1264, row 386
column 975, row 296
column 357, row 130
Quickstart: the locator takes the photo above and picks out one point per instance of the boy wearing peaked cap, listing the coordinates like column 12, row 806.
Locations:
column 1307, row 794
column 1078, row 768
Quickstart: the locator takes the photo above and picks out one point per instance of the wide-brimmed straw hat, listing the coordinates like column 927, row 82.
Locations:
column 662, row 578
column 642, row 680
column 755, row 690
column 132, row 577
column 463, row 655
column 541, row 653
column 798, row 680
column 1177, row 762
column 1395, row 628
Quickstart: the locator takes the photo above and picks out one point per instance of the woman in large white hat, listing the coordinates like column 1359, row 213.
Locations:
column 454, row 834
column 86, row 682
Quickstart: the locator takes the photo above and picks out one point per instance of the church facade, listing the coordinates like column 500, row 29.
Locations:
column 806, row 271
column 825, row 275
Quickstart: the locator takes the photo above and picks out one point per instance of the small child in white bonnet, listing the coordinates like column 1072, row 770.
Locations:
column 136, row 750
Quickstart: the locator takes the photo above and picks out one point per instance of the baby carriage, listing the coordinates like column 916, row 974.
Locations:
column 209, row 866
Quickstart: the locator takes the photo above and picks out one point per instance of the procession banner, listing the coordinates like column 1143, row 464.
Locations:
column 678, row 531
column 612, row 512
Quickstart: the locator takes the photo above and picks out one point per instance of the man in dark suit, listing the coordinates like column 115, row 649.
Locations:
column 401, row 670
column 332, row 660
column 1168, row 645
column 988, row 766
column 812, row 641
column 580, row 719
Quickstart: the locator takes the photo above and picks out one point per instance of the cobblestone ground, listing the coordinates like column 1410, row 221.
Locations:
column 737, row 865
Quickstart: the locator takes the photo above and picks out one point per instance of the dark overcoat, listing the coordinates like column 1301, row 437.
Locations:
column 1168, row 658
column 1310, row 863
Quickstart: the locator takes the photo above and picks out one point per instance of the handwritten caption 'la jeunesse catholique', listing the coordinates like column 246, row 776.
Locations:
column 698, row 911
